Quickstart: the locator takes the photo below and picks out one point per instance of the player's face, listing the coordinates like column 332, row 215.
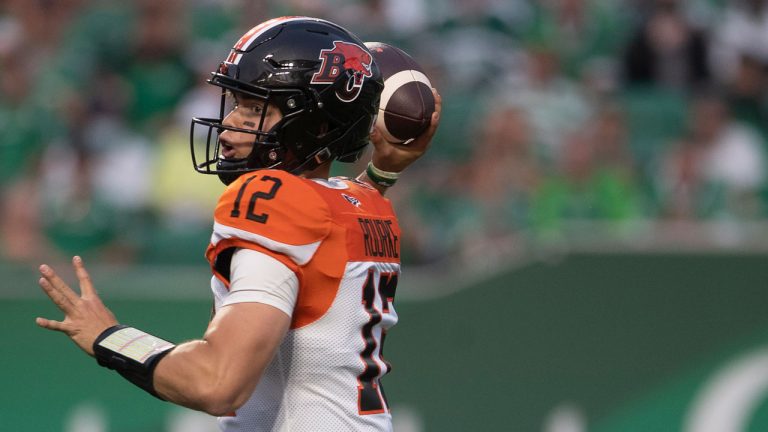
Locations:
column 245, row 113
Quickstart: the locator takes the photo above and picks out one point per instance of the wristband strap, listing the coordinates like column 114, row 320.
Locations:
column 131, row 353
column 381, row 177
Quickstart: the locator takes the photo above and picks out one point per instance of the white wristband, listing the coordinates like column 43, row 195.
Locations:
column 389, row 175
column 380, row 177
column 135, row 344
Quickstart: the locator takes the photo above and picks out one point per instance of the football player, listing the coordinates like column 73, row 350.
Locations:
column 305, row 267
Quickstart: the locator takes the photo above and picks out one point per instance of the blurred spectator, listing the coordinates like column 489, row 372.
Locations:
column 44, row 23
column 20, row 139
column 504, row 173
column 468, row 51
column 717, row 170
column 555, row 105
column 385, row 20
column 158, row 75
column 667, row 50
column 582, row 32
column 554, row 111
column 747, row 93
column 94, row 183
column 596, row 178
column 28, row 39
column 403, row 17
column 742, row 30
column 482, row 42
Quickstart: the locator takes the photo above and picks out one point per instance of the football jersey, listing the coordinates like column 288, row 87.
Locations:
column 341, row 239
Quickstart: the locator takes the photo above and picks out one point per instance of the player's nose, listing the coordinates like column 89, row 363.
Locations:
column 226, row 135
column 231, row 119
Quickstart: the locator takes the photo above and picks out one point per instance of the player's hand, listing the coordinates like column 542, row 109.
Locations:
column 392, row 157
column 85, row 316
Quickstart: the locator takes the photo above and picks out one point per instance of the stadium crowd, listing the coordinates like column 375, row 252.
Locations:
column 624, row 113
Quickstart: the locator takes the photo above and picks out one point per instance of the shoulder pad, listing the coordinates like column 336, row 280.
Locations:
column 276, row 210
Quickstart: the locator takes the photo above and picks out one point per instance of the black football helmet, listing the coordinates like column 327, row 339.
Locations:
column 323, row 80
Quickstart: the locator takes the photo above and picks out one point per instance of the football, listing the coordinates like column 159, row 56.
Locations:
column 407, row 102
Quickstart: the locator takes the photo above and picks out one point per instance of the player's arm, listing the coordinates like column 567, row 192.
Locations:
column 240, row 341
column 219, row 373
column 216, row 374
column 392, row 158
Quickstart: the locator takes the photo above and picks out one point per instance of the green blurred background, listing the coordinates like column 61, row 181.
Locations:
column 583, row 245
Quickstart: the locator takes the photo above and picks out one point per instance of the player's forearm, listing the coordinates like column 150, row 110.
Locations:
column 192, row 376
column 219, row 373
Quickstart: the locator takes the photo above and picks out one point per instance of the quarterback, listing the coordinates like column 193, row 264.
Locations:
column 305, row 266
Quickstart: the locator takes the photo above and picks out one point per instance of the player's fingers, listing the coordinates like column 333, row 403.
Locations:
column 59, row 299
column 51, row 324
column 434, row 123
column 426, row 137
column 86, row 285
column 375, row 136
column 58, row 284
column 438, row 109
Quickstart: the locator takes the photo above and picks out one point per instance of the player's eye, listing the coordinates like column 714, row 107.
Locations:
column 249, row 107
column 255, row 109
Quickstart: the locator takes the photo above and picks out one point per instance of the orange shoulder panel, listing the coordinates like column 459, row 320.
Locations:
column 356, row 193
column 276, row 205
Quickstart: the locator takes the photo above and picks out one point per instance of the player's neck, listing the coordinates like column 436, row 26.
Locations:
column 321, row 172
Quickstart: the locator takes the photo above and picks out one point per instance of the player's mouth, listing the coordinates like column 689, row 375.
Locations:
column 227, row 150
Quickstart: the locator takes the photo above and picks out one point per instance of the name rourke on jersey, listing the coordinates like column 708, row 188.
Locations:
column 378, row 238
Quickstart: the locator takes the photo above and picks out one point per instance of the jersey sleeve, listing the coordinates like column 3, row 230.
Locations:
column 259, row 278
column 271, row 211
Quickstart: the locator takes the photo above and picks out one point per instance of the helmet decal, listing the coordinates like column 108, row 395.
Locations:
column 251, row 35
column 342, row 57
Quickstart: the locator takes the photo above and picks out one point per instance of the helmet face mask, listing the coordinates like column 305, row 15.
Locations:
column 206, row 151
column 320, row 77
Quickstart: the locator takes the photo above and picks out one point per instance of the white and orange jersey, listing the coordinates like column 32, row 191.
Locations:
column 341, row 239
